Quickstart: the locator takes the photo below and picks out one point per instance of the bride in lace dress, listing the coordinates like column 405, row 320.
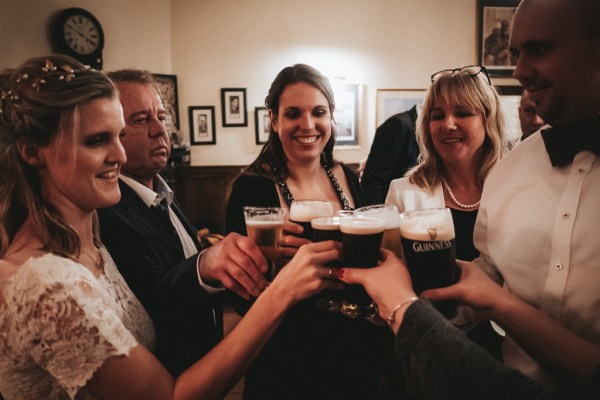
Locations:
column 69, row 325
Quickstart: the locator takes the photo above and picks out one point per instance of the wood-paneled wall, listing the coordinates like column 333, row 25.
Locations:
column 202, row 192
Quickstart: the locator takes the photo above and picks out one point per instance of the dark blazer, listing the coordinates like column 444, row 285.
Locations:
column 153, row 263
column 393, row 152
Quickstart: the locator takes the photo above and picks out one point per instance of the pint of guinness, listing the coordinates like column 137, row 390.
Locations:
column 429, row 246
column 302, row 212
column 361, row 241
column 328, row 228
column 391, row 235
column 263, row 226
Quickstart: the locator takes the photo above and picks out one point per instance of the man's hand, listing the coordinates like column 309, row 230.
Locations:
column 474, row 289
column 237, row 263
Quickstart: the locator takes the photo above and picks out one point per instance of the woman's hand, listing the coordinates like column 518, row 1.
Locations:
column 306, row 273
column 474, row 289
column 290, row 242
column 388, row 284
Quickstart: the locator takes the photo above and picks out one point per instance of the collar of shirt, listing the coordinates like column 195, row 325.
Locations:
column 149, row 196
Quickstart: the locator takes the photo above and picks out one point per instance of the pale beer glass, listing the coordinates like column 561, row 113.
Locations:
column 361, row 242
column 429, row 248
column 302, row 212
column 264, row 226
column 391, row 235
column 328, row 228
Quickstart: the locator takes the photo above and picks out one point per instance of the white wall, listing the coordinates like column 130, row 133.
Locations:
column 211, row 44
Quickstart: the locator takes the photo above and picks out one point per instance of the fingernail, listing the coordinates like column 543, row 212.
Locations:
column 340, row 273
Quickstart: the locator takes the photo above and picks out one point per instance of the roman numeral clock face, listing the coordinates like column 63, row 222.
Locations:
column 79, row 34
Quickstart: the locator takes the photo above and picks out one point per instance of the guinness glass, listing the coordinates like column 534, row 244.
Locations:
column 264, row 226
column 361, row 239
column 328, row 228
column 391, row 235
column 429, row 246
column 302, row 212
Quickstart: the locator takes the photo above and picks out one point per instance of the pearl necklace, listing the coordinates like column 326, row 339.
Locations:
column 458, row 203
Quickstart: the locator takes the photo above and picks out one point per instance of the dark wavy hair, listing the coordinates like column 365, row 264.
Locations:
column 272, row 153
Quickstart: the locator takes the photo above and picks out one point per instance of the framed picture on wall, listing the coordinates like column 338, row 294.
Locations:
column 346, row 114
column 494, row 22
column 233, row 107
column 167, row 85
column 202, row 125
column 510, row 98
column 394, row 101
column 261, row 124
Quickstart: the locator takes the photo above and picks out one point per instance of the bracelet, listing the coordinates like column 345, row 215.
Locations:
column 392, row 317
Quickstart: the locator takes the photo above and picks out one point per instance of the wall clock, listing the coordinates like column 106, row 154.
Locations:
column 77, row 33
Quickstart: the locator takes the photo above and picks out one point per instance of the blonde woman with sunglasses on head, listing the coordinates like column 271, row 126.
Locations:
column 460, row 136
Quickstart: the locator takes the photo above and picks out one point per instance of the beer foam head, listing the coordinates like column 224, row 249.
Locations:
column 326, row 223
column 307, row 210
column 264, row 214
column 264, row 224
column 427, row 225
column 362, row 225
column 389, row 212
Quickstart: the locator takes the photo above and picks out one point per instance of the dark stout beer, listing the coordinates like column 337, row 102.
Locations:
column 429, row 246
column 328, row 228
column 361, row 239
column 302, row 212
column 391, row 235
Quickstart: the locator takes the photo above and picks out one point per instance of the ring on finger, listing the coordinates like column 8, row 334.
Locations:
column 330, row 273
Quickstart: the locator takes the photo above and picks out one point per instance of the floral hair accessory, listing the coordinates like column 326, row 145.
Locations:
column 65, row 73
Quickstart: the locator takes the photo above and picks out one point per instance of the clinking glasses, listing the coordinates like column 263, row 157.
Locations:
column 470, row 70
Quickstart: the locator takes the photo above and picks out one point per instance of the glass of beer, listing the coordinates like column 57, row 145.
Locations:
column 429, row 247
column 328, row 228
column 302, row 212
column 391, row 235
column 361, row 241
column 263, row 226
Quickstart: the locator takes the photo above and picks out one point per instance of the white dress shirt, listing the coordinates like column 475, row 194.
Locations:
column 538, row 231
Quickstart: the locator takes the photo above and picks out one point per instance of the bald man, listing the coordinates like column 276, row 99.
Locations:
column 530, row 120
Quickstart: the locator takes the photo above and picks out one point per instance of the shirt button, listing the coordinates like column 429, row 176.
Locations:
column 566, row 214
column 559, row 266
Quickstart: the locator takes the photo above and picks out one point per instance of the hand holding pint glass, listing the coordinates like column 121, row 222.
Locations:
column 429, row 247
column 361, row 242
column 263, row 226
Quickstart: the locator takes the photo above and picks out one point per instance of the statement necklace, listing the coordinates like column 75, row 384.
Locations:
column 458, row 203
column 289, row 198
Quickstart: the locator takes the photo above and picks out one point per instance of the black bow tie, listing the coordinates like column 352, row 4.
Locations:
column 563, row 143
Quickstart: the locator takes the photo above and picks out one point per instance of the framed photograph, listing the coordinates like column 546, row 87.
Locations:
column 346, row 114
column 494, row 22
column 233, row 107
column 510, row 98
column 167, row 85
column 261, row 124
column 202, row 125
column 394, row 101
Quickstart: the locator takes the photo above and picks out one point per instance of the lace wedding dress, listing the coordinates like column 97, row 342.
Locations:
column 60, row 323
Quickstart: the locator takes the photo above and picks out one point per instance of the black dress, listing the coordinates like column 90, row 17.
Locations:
column 313, row 354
